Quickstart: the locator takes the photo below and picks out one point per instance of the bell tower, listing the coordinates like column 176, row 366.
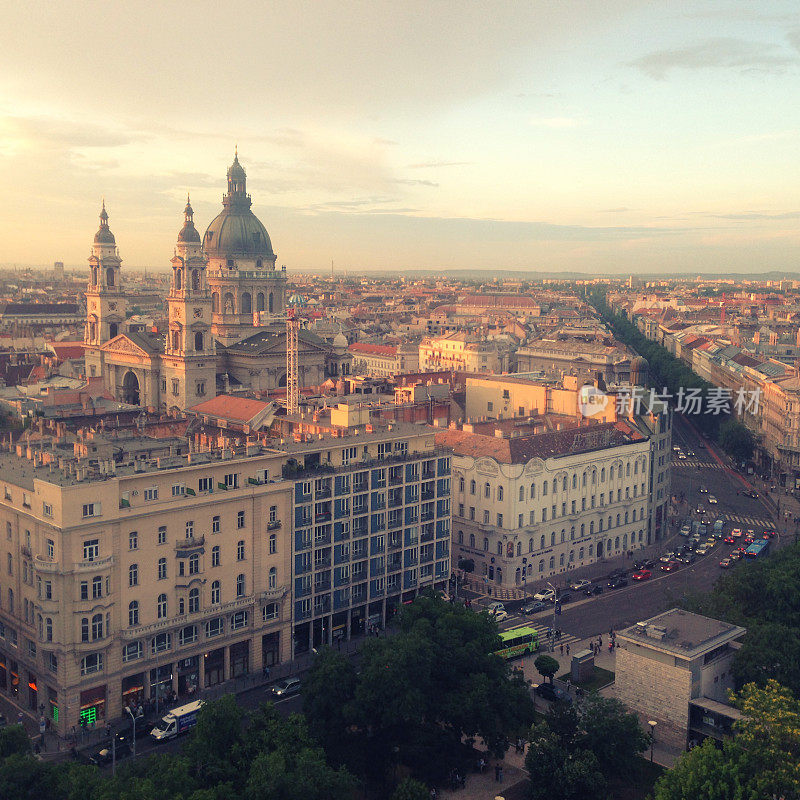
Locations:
column 189, row 366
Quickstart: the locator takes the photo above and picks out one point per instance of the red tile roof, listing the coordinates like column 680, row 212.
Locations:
column 241, row 409
column 373, row 349
column 67, row 350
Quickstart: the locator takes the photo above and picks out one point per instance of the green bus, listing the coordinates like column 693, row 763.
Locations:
column 517, row 642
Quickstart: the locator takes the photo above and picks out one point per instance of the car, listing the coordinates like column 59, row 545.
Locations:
column 563, row 597
column 712, row 499
column 710, row 542
column 534, row 607
column 617, row 573
column 494, row 605
column 736, row 533
column 500, row 614
column 578, row 586
column 729, row 540
column 681, row 455
column 671, row 566
column 105, row 754
column 646, row 564
column 703, row 490
column 594, row 590
column 700, row 510
column 740, row 550
column 702, row 550
column 769, row 535
column 676, row 448
column 702, row 530
column 736, row 555
column 751, row 533
column 749, row 539
column 667, row 557
column 726, row 563
column 642, row 575
column 750, row 493
column 552, row 693
column 545, row 594
column 617, row 583
column 286, row 687
column 688, row 558
column 690, row 453
column 685, row 530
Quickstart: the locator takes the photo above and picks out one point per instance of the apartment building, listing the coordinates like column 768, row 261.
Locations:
column 384, row 360
column 532, row 505
column 135, row 566
column 574, row 356
column 464, row 352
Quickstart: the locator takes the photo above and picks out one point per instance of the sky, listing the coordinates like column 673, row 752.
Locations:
column 600, row 137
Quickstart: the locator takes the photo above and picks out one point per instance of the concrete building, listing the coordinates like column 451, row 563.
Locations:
column 463, row 352
column 576, row 357
column 135, row 566
column 675, row 669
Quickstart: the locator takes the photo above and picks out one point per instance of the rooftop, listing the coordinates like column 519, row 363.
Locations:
column 682, row 633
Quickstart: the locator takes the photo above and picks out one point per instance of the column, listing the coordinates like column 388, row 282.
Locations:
column 349, row 623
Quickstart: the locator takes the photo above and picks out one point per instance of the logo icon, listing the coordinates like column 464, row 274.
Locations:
column 591, row 401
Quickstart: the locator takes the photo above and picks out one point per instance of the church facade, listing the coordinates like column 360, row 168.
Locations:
column 226, row 313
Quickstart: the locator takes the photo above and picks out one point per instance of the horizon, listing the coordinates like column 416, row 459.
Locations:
column 615, row 139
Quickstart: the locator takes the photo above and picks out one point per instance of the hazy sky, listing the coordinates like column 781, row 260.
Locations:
column 615, row 135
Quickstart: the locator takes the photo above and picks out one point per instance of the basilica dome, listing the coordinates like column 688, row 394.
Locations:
column 104, row 235
column 236, row 230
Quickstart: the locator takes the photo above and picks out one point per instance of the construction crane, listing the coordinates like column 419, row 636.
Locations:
column 292, row 349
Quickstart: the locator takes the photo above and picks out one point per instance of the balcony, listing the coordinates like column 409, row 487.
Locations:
column 43, row 564
column 185, row 619
column 324, row 516
column 270, row 595
column 273, row 526
column 190, row 542
column 322, row 494
column 94, row 564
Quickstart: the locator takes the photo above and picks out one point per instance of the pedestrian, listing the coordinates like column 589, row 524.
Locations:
column 567, row 649
column 497, row 772
column 562, row 649
column 501, row 774
column 481, row 765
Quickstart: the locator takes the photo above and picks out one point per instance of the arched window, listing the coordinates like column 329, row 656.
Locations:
column 521, row 493
column 97, row 626
column 194, row 600
column 555, row 485
column 533, row 490
column 572, row 532
column 574, row 481
column 600, row 524
column 609, row 522
column 499, row 548
column 472, row 540
column 563, row 535
column 541, row 542
column 591, row 527
column 485, row 544
column 247, row 303
column 215, row 302
column 530, row 545
column 271, row 303
column 178, row 274
column 240, row 585
column 260, row 301
column 519, row 548
column 583, row 528
column 603, row 474
column 215, row 592
column 626, row 517
column 198, row 341
column 580, row 554
column 229, row 307
column 461, row 483
column 109, row 277
column 195, row 280
column 133, row 613
column 181, row 606
column 273, row 543
column 194, row 564
column 617, row 520
column 616, row 543
column 461, row 537
column 273, row 577
column 564, row 484
column 499, row 492
column 541, row 565
column 487, row 489
column 628, row 469
column 552, row 538
column 625, row 542
column 472, row 487
column 133, row 575
column 552, row 562
column 611, row 473
column 85, row 629
column 162, row 606
column 561, row 560
column 215, row 556
column 571, row 556
column 544, row 489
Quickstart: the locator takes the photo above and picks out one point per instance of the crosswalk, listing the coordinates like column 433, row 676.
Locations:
column 695, row 464
column 750, row 522
column 543, row 630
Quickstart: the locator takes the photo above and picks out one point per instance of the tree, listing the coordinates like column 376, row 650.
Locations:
column 546, row 666
column 704, row 773
column 14, row 740
column 409, row 789
column 736, row 440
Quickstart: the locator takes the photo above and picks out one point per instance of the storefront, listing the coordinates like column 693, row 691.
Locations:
column 357, row 621
column 188, row 675
column 240, row 658
column 13, row 673
column 160, row 682
column 215, row 666
column 33, row 692
column 3, row 671
column 339, row 622
column 93, row 705
column 133, row 690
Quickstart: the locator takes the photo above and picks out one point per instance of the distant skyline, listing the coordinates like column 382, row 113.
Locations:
column 610, row 137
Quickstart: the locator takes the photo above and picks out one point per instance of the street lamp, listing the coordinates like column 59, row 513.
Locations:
column 553, row 628
column 133, row 719
column 534, row 687
column 652, row 723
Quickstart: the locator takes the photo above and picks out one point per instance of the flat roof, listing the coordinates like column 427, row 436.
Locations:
column 685, row 634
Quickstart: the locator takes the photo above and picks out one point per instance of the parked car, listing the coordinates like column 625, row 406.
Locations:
column 617, row 573
column 736, row 533
column 726, row 563
column 494, row 605
column 667, row 557
column 670, row 566
column 104, row 754
column 545, row 594
column 703, row 530
column 685, row 530
column 578, row 586
column 594, row 590
column 700, row 510
column 681, row 455
column 553, row 693
column 286, row 687
column 564, row 597
column 690, row 453
column 500, row 614
column 534, row 607
column 750, row 493
column 729, row 540
column 642, row 575
column 617, row 583
column 712, row 499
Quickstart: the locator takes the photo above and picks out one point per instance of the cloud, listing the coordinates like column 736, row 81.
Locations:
column 53, row 133
column 384, row 142
column 614, row 210
column 756, row 215
column 720, row 52
column 437, row 164
column 412, row 182
column 556, row 122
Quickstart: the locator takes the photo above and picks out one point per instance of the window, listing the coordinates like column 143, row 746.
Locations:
column 232, row 480
column 240, row 585
column 486, row 517
column 499, row 492
column 205, row 485
column 91, row 549
column 214, row 627
column 273, row 543
column 92, row 663
column 487, row 490
column 133, row 613
column 47, row 509
column 188, row 635
column 240, row 520
column 499, row 520
column 10, row 564
column 84, row 595
column 486, row 544
column 194, row 564
column 131, row 651
column 472, row 487
column 178, row 490
column 133, row 575
column 97, row 627
column 151, row 493
column 162, row 534
column 162, row 569
column 133, row 540
column 240, row 550
column 499, row 548
column 189, row 529
column 176, row 387
column 194, row 601
column 91, row 509
column 215, row 556
column 214, row 524
column 160, row 642
column 273, row 578
column 97, row 587
column 85, row 629
column 48, row 629
column 161, row 606
column 215, row 592
column 239, row 620
column 270, row 611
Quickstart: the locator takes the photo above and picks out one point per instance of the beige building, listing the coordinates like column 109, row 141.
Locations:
column 675, row 669
column 136, row 566
column 383, row 360
column 574, row 356
column 459, row 351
